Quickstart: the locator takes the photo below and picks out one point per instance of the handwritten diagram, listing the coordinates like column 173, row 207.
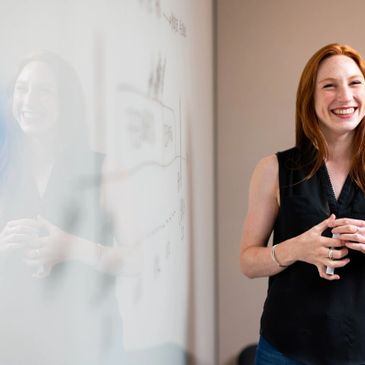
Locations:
column 147, row 141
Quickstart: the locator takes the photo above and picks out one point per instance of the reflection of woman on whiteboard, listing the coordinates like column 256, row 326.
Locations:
column 313, row 197
column 53, row 292
column 49, row 138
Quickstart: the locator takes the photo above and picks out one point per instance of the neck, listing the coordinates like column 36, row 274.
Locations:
column 42, row 150
column 339, row 148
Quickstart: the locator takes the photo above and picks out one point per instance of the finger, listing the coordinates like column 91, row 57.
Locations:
column 332, row 242
column 11, row 246
column 331, row 220
column 23, row 222
column 348, row 228
column 36, row 261
column 35, row 255
column 21, row 229
column 348, row 221
column 337, row 254
column 356, row 246
column 322, row 226
column 42, row 272
column 355, row 237
column 32, row 263
column 26, row 231
column 336, row 263
column 18, row 238
column 324, row 275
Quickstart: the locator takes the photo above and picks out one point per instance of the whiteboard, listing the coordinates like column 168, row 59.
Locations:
column 147, row 77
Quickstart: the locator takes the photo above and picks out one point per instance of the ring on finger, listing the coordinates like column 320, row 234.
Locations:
column 330, row 253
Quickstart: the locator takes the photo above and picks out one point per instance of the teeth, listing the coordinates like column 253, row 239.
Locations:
column 344, row 111
column 30, row 115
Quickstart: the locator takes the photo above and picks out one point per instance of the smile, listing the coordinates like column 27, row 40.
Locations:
column 30, row 114
column 344, row 111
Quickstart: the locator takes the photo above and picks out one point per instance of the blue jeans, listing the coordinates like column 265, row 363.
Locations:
column 267, row 354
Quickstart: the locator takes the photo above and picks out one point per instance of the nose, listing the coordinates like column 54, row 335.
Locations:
column 344, row 93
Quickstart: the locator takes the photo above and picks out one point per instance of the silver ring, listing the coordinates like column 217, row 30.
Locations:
column 330, row 253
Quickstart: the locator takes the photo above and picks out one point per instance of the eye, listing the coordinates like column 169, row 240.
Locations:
column 356, row 82
column 20, row 88
column 327, row 86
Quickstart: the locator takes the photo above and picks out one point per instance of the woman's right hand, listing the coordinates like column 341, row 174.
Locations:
column 17, row 233
column 315, row 249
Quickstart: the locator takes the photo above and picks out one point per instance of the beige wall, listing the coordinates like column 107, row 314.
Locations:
column 262, row 48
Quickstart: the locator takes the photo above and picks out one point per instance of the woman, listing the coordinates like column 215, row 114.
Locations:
column 55, row 301
column 313, row 198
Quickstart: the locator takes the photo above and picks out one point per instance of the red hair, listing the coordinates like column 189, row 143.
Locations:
column 308, row 134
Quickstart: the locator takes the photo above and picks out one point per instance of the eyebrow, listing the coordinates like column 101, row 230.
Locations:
column 334, row 79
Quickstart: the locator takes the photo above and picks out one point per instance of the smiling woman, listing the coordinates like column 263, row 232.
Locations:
column 339, row 95
column 36, row 99
column 312, row 197
column 55, row 252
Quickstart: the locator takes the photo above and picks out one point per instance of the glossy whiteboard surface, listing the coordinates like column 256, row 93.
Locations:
column 107, row 179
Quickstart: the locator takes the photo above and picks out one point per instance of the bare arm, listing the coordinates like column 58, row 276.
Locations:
column 114, row 260
column 59, row 246
column 263, row 207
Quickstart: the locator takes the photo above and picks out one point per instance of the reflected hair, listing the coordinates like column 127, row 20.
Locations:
column 71, row 124
column 72, row 135
column 309, row 137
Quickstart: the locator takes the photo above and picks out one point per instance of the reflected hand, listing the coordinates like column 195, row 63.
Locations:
column 351, row 232
column 18, row 233
column 314, row 249
column 49, row 250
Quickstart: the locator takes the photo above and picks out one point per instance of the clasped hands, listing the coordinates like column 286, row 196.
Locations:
column 326, row 251
column 43, row 244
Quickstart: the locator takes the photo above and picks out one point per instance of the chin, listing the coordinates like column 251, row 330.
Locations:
column 29, row 129
column 33, row 128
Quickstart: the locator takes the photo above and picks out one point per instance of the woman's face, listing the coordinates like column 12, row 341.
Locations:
column 36, row 99
column 339, row 95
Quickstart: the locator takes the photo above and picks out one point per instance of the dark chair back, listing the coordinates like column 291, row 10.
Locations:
column 248, row 355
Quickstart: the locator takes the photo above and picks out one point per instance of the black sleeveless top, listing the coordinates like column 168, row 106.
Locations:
column 310, row 319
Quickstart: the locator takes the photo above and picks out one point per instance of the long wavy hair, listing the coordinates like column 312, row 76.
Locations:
column 71, row 128
column 71, row 124
column 309, row 136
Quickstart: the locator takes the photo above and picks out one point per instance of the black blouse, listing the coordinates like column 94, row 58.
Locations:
column 310, row 319
column 71, row 316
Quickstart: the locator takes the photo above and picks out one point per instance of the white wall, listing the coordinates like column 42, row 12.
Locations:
column 262, row 49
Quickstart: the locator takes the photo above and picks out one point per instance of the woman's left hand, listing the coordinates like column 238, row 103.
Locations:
column 351, row 231
column 46, row 251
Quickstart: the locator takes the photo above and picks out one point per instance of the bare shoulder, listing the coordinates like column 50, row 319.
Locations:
column 263, row 202
column 267, row 170
column 264, row 184
column 268, row 163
